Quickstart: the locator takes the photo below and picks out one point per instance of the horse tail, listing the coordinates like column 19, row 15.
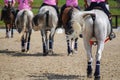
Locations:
column 47, row 18
column 93, row 18
column 69, row 17
column 24, row 19
column 70, row 13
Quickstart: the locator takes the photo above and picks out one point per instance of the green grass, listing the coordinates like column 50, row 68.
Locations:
column 37, row 3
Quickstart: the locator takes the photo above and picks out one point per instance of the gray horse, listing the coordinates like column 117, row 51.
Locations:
column 97, row 29
column 46, row 21
column 23, row 24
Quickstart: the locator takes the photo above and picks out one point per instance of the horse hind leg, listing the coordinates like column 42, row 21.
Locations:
column 100, row 48
column 22, row 44
column 68, row 47
column 12, row 32
column 89, row 70
column 88, row 49
column 28, row 42
column 7, row 34
column 75, row 46
column 51, row 46
column 51, row 42
column 72, row 47
column 45, row 48
column 97, row 71
column 44, row 42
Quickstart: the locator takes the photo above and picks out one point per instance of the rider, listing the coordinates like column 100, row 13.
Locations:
column 5, row 7
column 69, row 3
column 24, row 4
column 97, row 3
column 102, row 4
column 52, row 3
column 87, row 3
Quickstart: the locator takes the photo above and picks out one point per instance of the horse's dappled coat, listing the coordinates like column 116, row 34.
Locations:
column 46, row 21
column 23, row 24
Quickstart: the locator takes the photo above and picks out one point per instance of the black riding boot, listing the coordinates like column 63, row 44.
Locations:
column 112, row 34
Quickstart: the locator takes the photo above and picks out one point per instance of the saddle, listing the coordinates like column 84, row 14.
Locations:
column 99, row 8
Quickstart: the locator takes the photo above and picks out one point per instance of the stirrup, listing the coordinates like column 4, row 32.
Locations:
column 112, row 35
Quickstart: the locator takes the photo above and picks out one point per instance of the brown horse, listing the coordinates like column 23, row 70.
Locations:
column 72, row 29
column 8, row 18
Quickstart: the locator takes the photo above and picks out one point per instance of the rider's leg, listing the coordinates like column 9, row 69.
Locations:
column 60, row 17
column 92, row 5
column 43, row 4
column 14, row 11
column 103, row 6
column 78, row 7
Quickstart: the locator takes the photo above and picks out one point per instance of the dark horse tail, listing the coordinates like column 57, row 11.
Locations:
column 47, row 18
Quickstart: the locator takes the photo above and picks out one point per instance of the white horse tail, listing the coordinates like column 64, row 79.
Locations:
column 24, row 18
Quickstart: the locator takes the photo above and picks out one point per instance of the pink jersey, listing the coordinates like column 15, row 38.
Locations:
column 24, row 4
column 73, row 3
column 97, row 0
column 6, row 2
column 50, row 2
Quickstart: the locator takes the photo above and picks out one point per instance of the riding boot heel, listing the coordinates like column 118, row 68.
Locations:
column 112, row 34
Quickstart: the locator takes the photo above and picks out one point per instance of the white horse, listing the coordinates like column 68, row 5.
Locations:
column 98, row 28
column 72, row 28
column 23, row 24
column 46, row 21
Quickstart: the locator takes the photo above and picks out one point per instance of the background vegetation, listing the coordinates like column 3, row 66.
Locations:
column 36, row 4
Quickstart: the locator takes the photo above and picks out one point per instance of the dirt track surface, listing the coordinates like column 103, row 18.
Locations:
column 15, row 65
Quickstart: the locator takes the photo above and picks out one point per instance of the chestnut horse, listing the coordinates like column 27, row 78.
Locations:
column 72, row 28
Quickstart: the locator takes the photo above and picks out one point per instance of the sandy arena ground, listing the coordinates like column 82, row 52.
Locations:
column 15, row 65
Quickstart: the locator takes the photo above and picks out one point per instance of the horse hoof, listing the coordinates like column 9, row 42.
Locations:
column 112, row 35
column 45, row 54
column 6, row 36
column 75, row 51
column 89, row 75
column 23, row 50
column 27, row 52
column 81, row 36
column 69, row 54
column 97, row 78
column 51, row 52
column 11, row 36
